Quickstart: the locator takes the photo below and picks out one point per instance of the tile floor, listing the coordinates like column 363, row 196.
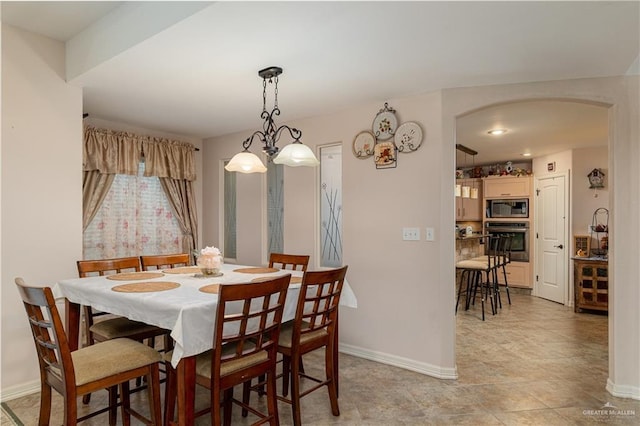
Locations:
column 535, row 363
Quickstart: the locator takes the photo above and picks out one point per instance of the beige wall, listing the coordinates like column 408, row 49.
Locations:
column 41, row 185
column 585, row 200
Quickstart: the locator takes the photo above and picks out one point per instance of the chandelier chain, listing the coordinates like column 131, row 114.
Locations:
column 264, row 95
column 275, row 92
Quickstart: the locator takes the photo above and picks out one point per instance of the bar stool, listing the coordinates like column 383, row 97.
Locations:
column 503, row 258
column 474, row 269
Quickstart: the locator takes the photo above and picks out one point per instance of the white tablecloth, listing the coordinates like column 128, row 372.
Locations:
column 186, row 311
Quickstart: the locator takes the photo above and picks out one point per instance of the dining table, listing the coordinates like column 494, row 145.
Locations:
column 181, row 300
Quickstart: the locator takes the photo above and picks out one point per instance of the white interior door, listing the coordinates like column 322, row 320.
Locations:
column 551, row 238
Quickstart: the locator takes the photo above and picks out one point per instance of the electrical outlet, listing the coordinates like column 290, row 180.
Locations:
column 430, row 234
column 411, row 234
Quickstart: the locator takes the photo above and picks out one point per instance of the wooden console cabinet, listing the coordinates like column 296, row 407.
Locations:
column 591, row 284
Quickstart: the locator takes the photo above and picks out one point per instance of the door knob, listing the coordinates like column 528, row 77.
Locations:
column 559, row 246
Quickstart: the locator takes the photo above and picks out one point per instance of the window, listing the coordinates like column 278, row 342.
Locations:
column 229, row 250
column 275, row 207
column 331, row 205
column 134, row 219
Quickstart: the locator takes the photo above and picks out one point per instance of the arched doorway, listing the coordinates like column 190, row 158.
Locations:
column 570, row 136
column 624, row 374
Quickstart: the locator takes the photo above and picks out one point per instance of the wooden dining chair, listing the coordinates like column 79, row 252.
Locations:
column 314, row 327
column 104, row 365
column 102, row 326
column 247, row 328
column 295, row 262
column 112, row 328
column 164, row 261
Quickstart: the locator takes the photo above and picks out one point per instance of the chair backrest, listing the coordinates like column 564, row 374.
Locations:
column 503, row 248
column 493, row 245
column 54, row 355
column 106, row 266
column 289, row 261
column 161, row 261
column 101, row 267
column 318, row 304
column 248, row 316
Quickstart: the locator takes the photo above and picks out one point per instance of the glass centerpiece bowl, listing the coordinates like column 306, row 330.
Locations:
column 209, row 261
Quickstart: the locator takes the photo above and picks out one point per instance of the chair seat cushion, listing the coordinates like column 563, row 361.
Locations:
column 203, row 361
column 286, row 333
column 109, row 358
column 117, row 327
column 479, row 265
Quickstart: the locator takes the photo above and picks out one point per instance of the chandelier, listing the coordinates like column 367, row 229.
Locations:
column 295, row 154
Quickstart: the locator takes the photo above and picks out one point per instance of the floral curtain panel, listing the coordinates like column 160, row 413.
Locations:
column 107, row 153
column 134, row 219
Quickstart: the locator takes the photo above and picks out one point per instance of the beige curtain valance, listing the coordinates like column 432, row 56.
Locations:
column 113, row 152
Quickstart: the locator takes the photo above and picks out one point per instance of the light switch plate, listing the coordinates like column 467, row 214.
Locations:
column 411, row 234
column 430, row 234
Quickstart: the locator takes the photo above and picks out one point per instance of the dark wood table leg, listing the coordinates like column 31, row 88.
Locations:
column 186, row 390
column 72, row 318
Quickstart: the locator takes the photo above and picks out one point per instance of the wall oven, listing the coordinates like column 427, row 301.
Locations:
column 520, row 242
column 508, row 208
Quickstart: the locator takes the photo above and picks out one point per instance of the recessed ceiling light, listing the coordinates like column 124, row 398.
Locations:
column 497, row 132
column 526, row 154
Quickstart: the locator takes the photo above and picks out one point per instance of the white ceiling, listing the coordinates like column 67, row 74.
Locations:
column 192, row 70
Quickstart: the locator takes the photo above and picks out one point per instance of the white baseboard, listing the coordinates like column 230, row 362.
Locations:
column 622, row 391
column 20, row 391
column 396, row 361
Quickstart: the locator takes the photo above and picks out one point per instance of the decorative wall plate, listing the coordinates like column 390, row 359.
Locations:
column 385, row 123
column 385, row 155
column 363, row 144
column 408, row 137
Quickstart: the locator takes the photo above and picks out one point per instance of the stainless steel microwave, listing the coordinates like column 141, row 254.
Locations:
column 516, row 208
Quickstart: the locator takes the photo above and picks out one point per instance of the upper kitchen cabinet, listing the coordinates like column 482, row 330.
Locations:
column 467, row 208
column 507, row 186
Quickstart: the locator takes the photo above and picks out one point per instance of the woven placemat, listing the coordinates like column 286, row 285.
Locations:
column 256, row 270
column 294, row 280
column 146, row 287
column 129, row 276
column 182, row 270
column 211, row 288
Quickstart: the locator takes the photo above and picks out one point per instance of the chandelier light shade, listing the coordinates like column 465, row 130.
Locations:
column 245, row 162
column 295, row 154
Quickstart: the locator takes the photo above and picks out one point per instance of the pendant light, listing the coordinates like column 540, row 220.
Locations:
column 295, row 154
column 466, row 189
column 474, row 190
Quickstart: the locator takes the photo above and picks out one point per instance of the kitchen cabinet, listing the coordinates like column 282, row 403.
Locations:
column 469, row 209
column 518, row 275
column 591, row 284
column 507, row 186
